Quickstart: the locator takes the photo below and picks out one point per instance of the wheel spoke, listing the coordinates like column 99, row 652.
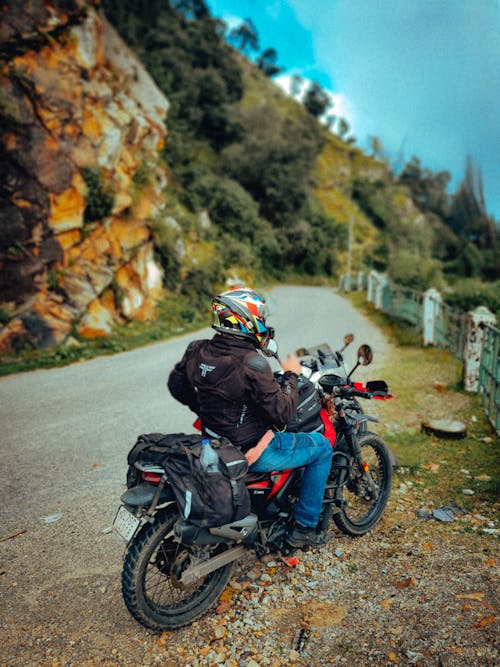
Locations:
column 365, row 498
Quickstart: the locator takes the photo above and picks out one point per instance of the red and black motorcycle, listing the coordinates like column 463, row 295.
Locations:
column 174, row 571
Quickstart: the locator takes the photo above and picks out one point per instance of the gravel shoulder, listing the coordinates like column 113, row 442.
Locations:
column 413, row 592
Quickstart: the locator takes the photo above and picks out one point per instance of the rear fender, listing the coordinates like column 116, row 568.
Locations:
column 142, row 495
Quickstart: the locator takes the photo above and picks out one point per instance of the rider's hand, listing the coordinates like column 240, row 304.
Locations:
column 291, row 363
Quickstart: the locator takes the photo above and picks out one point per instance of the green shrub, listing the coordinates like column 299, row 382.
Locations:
column 166, row 233
column 469, row 293
column 100, row 198
column 5, row 315
column 415, row 271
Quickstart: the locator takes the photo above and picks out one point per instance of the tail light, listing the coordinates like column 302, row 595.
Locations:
column 151, row 477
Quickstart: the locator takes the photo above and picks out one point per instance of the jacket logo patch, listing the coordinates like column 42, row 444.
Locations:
column 206, row 368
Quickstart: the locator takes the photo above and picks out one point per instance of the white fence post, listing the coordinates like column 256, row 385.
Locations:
column 373, row 280
column 379, row 291
column 360, row 280
column 376, row 283
column 432, row 311
column 474, row 339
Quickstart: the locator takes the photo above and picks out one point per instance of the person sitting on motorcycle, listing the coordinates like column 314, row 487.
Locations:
column 229, row 384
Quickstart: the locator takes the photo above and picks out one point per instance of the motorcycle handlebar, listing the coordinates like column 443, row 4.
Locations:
column 349, row 392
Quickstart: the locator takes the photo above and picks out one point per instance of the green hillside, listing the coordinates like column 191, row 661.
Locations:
column 148, row 163
column 279, row 188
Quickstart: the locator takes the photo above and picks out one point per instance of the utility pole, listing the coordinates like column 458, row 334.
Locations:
column 349, row 253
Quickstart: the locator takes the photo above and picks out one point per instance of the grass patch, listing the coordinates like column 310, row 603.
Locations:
column 427, row 384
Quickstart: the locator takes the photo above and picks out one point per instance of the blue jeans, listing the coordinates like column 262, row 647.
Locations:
column 293, row 450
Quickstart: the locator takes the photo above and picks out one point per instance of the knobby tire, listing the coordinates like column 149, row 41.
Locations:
column 360, row 513
column 150, row 589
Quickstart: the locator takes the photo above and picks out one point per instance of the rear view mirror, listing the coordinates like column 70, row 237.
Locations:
column 365, row 355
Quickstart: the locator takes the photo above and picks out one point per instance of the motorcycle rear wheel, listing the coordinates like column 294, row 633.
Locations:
column 360, row 512
column 152, row 567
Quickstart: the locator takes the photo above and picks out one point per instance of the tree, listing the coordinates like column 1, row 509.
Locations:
column 245, row 37
column 267, row 62
column 316, row 100
column 468, row 216
column 296, row 84
column 274, row 159
column 427, row 189
column 343, row 127
column 196, row 9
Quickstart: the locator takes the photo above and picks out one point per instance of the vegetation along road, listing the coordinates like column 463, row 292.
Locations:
column 397, row 596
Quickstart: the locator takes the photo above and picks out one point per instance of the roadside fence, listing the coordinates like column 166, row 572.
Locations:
column 472, row 337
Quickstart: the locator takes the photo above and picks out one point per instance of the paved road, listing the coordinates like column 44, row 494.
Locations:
column 65, row 436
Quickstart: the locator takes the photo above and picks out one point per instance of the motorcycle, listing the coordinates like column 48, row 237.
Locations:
column 174, row 571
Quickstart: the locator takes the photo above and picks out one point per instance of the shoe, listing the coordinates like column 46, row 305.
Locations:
column 305, row 536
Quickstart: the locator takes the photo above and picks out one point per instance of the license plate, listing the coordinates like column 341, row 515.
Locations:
column 125, row 524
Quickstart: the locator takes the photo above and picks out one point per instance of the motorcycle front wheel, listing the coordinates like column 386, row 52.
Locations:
column 361, row 509
column 151, row 586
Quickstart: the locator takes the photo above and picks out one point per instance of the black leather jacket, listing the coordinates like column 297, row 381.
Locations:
column 232, row 388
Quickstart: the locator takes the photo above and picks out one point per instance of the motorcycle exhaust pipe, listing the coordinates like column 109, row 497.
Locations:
column 189, row 534
column 243, row 530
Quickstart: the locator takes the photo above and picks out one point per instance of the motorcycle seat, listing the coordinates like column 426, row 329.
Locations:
column 251, row 477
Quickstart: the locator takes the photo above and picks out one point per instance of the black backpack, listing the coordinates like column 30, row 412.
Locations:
column 307, row 416
column 204, row 498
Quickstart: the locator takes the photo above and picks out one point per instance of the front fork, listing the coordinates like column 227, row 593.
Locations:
column 342, row 465
column 363, row 467
column 333, row 500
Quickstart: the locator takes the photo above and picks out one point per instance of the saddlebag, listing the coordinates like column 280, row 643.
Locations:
column 204, row 498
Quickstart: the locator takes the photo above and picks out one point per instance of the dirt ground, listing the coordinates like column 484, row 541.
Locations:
column 414, row 592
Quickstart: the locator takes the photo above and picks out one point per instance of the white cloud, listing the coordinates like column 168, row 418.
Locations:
column 341, row 107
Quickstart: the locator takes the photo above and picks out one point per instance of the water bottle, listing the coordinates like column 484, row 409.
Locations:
column 209, row 459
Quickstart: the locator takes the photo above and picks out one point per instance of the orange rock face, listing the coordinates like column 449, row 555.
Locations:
column 82, row 127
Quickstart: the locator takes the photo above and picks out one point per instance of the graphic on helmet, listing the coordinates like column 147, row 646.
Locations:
column 242, row 312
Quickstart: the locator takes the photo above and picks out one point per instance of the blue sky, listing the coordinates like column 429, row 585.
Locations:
column 421, row 75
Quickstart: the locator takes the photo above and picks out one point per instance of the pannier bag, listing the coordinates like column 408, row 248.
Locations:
column 204, row 498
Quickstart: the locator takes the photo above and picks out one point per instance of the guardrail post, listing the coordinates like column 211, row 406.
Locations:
column 360, row 280
column 379, row 291
column 432, row 311
column 474, row 339
column 370, row 292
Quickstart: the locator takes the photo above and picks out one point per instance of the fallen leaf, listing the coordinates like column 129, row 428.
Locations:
column 406, row 583
column 227, row 594
column 392, row 656
column 454, row 649
column 385, row 604
column 470, row 596
column 490, row 562
column 163, row 639
column 484, row 622
column 432, row 467
column 223, row 607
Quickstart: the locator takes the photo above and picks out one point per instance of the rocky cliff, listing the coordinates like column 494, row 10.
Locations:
column 82, row 124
